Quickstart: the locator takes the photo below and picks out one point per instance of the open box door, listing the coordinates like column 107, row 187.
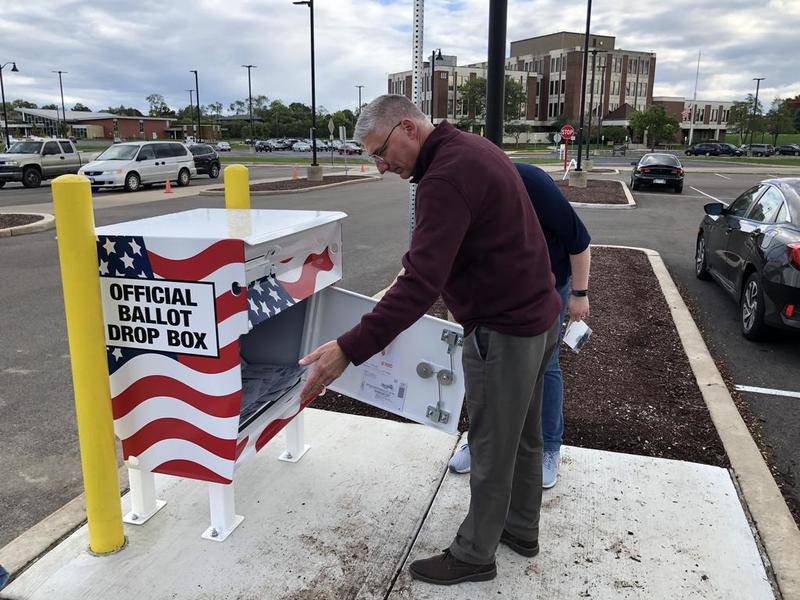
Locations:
column 419, row 376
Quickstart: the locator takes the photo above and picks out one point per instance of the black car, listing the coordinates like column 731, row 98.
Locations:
column 729, row 149
column 206, row 160
column 788, row 150
column 658, row 169
column 752, row 249
column 704, row 149
column 263, row 146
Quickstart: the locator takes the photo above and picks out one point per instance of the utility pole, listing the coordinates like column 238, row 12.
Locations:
column 63, row 108
column 600, row 109
column 758, row 81
column 583, row 81
column 310, row 4
column 594, row 52
column 694, row 100
column 359, row 101
column 197, row 99
column 434, row 56
column 496, row 70
column 250, row 95
column 14, row 69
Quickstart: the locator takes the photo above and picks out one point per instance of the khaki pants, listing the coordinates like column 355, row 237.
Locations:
column 504, row 376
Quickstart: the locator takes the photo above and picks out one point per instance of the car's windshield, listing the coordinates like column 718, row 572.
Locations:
column 25, row 148
column 660, row 159
column 119, row 152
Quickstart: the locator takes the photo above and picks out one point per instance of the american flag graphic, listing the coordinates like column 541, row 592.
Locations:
column 179, row 414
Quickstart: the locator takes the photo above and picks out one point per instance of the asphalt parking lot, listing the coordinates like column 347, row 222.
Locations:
column 41, row 469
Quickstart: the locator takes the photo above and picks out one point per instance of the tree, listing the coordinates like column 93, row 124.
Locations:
column 516, row 130
column 655, row 121
column 20, row 103
column 158, row 106
column 779, row 119
column 739, row 117
column 473, row 94
column 50, row 107
column 615, row 133
column 124, row 111
column 81, row 108
column 514, row 98
column 238, row 107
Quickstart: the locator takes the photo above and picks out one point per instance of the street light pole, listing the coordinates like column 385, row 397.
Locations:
column 250, row 95
column 310, row 4
column 14, row 69
column 63, row 109
column 359, row 101
column 583, row 81
column 758, row 81
column 191, row 110
column 197, row 100
column 591, row 103
column 600, row 103
column 496, row 70
column 433, row 74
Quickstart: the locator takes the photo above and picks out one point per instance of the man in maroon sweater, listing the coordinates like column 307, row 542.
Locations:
column 478, row 244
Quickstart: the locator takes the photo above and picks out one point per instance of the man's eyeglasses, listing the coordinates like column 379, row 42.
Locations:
column 377, row 156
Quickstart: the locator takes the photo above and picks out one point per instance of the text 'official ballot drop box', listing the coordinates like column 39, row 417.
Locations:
column 206, row 314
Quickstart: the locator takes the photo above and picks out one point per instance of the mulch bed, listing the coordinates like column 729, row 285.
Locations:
column 631, row 389
column 596, row 192
column 302, row 183
column 14, row 220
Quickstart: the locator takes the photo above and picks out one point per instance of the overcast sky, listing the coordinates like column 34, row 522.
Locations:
column 118, row 52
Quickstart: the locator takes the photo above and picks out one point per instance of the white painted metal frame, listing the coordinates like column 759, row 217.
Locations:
column 144, row 503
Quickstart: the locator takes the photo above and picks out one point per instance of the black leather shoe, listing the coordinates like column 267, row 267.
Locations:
column 518, row 545
column 446, row 569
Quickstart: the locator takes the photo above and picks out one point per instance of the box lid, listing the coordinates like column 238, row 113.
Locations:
column 254, row 226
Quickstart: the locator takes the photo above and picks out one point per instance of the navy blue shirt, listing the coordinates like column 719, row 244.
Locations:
column 563, row 229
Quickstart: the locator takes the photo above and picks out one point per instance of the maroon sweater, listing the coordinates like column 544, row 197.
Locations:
column 477, row 243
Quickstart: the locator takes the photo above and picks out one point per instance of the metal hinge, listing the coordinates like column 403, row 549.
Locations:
column 452, row 339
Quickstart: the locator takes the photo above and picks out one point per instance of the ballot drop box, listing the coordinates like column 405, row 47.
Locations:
column 206, row 314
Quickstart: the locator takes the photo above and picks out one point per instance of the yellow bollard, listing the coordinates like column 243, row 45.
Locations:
column 77, row 252
column 237, row 187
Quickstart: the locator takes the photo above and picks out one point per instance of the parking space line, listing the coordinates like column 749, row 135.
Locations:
column 767, row 391
column 723, row 176
column 704, row 194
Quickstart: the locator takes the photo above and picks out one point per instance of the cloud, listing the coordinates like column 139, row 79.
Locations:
column 118, row 52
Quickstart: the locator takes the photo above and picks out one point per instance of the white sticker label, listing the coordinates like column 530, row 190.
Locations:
column 160, row 315
column 379, row 386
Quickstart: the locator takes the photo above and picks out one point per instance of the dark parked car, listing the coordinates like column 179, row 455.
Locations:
column 752, row 249
column 788, row 150
column 729, row 149
column 704, row 149
column 658, row 169
column 206, row 159
column 263, row 146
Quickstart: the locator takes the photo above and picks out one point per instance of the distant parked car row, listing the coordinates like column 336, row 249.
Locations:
column 304, row 145
column 724, row 149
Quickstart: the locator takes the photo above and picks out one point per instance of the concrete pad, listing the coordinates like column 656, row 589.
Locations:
column 337, row 524
column 615, row 526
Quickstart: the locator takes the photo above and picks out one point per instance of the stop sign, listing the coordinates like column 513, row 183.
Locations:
column 567, row 132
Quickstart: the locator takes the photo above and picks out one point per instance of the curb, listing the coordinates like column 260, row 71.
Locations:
column 631, row 202
column 47, row 221
column 770, row 514
column 363, row 179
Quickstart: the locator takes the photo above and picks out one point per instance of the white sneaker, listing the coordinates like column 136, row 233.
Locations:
column 460, row 462
column 550, row 463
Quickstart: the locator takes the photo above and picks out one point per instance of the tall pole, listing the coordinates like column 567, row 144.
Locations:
column 191, row 109
column 197, row 100
column 496, row 70
column 591, row 106
column 359, row 101
column 250, row 95
column 416, row 96
column 694, row 100
column 583, row 80
column 433, row 76
column 63, row 108
column 758, row 81
column 310, row 4
column 14, row 69
column 600, row 108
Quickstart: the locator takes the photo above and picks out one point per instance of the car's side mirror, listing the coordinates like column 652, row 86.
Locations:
column 714, row 209
column 634, row 163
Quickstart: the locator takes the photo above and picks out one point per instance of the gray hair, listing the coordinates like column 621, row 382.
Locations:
column 385, row 112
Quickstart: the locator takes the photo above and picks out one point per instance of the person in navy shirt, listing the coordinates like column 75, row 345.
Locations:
column 568, row 246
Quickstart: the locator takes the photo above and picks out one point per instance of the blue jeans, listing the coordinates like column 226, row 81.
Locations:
column 553, row 395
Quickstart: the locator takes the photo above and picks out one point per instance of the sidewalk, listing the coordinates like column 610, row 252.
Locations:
column 340, row 523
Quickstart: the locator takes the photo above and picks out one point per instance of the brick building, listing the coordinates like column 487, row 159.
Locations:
column 710, row 117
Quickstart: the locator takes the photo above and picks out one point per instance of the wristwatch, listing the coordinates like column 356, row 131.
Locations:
column 580, row 293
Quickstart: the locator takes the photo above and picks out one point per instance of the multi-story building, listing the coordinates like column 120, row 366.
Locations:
column 550, row 67
column 709, row 119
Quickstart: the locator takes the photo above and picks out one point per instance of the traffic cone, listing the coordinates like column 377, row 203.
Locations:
column 168, row 189
column 295, row 174
column 363, row 170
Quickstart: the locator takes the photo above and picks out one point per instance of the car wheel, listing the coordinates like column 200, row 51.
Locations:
column 700, row 265
column 31, row 178
column 2, row 184
column 183, row 177
column 634, row 185
column 132, row 182
column 213, row 172
column 679, row 189
column 751, row 309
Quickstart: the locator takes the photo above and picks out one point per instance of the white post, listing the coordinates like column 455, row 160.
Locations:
column 694, row 100
column 295, row 440
column 223, row 512
column 416, row 97
column 144, row 504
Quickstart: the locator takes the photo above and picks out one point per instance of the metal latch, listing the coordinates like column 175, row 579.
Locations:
column 452, row 339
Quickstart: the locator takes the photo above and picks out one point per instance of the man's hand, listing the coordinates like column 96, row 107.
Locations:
column 578, row 307
column 331, row 362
